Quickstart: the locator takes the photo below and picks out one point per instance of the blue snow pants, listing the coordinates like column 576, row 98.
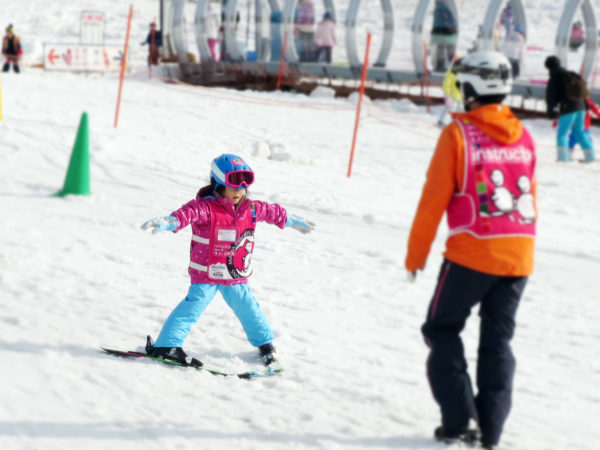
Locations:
column 237, row 296
column 458, row 290
column 573, row 139
column 576, row 122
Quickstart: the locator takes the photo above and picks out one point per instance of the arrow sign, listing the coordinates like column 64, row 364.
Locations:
column 52, row 56
column 78, row 57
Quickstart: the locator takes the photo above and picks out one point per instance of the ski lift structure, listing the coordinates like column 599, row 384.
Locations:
column 487, row 39
column 266, row 31
column 561, row 43
column 354, row 59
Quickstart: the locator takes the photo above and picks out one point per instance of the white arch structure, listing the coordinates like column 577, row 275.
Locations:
column 490, row 19
column 175, row 42
column 178, row 30
column 561, row 43
column 388, row 33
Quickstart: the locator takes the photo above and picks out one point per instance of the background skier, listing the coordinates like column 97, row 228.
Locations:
column 569, row 107
column 154, row 41
column 11, row 50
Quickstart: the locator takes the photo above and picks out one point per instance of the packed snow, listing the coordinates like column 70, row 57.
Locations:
column 76, row 272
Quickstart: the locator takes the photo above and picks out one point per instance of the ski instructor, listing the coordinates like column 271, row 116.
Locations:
column 482, row 175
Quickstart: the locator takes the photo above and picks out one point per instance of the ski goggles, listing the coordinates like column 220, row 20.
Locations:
column 485, row 73
column 239, row 179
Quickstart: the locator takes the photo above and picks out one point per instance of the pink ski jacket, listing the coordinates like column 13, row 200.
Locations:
column 197, row 213
column 325, row 35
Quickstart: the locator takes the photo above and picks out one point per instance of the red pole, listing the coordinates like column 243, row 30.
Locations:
column 361, row 92
column 426, row 77
column 123, row 64
column 282, row 61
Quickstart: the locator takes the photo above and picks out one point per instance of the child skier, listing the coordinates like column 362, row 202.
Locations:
column 223, row 220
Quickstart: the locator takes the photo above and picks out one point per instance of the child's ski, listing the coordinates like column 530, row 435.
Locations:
column 270, row 371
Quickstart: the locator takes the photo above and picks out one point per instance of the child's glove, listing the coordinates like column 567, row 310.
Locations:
column 298, row 223
column 159, row 224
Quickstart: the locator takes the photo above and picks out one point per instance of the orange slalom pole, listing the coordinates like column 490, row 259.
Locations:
column 123, row 64
column 282, row 61
column 361, row 93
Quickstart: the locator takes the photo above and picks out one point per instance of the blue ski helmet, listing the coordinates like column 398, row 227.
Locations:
column 231, row 171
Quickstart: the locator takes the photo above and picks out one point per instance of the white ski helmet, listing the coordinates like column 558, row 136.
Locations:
column 485, row 73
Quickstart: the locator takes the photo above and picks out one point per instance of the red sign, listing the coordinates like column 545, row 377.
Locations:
column 52, row 57
column 78, row 57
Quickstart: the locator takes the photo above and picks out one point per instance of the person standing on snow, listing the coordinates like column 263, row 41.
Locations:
column 452, row 95
column 212, row 24
column 223, row 220
column 566, row 100
column 488, row 256
column 514, row 42
column 154, row 40
column 325, row 38
column 443, row 36
column 507, row 18
column 304, row 29
column 577, row 37
column 11, row 50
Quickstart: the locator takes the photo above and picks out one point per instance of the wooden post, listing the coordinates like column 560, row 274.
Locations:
column 123, row 64
column 361, row 92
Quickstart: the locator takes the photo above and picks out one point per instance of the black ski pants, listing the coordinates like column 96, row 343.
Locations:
column 458, row 290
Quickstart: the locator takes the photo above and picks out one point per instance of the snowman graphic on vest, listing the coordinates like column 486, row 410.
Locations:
column 524, row 204
column 502, row 198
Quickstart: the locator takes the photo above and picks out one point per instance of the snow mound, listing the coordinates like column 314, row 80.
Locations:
column 404, row 105
column 277, row 151
column 323, row 92
column 353, row 99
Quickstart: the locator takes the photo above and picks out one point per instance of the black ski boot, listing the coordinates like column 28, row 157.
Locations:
column 467, row 436
column 171, row 353
column 267, row 353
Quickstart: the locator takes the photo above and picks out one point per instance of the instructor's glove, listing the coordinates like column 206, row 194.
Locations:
column 411, row 276
column 159, row 224
column 298, row 223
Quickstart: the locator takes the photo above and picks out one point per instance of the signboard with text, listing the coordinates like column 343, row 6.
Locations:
column 83, row 58
column 91, row 27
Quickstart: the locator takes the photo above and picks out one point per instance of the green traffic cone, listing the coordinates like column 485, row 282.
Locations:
column 77, row 180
